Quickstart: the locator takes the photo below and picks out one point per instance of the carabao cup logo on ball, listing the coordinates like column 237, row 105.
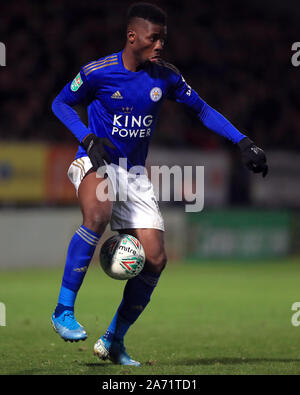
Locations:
column 155, row 94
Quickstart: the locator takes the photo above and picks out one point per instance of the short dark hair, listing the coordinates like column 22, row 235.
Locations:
column 148, row 11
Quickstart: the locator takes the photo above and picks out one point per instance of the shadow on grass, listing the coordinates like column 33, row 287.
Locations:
column 183, row 362
column 107, row 364
column 96, row 364
column 27, row 372
column 30, row 372
column 203, row 362
column 230, row 361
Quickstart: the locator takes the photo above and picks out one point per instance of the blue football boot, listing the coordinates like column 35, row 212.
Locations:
column 67, row 327
column 114, row 351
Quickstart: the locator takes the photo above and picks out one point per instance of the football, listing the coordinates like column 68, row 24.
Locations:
column 122, row 257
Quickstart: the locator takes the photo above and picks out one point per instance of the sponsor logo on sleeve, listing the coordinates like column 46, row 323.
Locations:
column 76, row 83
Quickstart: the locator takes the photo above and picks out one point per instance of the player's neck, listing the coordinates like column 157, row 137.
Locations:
column 130, row 61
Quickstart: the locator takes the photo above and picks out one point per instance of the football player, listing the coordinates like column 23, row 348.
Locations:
column 124, row 92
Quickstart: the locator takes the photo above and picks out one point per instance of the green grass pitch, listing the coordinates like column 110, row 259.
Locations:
column 209, row 318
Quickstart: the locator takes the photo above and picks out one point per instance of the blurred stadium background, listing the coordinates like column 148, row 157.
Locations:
column 236, row 55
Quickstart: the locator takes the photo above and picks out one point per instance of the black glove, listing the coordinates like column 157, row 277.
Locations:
column 253, row 157
column 94, row 147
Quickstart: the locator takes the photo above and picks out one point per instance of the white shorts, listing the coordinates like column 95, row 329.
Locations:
column 134, row 206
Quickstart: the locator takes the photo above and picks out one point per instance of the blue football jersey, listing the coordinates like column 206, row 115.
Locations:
column 123, row 106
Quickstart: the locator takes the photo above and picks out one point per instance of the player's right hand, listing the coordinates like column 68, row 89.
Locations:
column 94, row 147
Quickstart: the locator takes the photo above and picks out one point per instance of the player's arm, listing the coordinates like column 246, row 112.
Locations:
column 253, row 157
column 79, row 91
column 74, row 93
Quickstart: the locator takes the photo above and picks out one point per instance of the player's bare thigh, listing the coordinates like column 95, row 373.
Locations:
column 96, row 206
column 153, row 242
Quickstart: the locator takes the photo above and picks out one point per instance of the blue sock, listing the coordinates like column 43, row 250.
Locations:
column 80, row 252
column 136, row 296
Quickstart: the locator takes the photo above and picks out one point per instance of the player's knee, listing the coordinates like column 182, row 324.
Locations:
column 157, row 263
column 96, row 220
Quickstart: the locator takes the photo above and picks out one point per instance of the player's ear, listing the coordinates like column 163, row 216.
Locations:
column 131, row 35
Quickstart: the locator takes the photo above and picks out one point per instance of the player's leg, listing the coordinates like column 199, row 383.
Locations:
column 138, row 290
column 96, row 215
column 136, row 296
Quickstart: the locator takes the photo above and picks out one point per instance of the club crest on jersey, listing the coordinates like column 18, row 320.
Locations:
column 77, row 82
column 155, row 94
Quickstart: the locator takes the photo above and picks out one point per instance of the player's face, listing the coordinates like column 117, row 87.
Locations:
column 148, row 40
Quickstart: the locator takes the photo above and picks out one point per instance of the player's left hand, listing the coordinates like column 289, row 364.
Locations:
column 253, row 157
